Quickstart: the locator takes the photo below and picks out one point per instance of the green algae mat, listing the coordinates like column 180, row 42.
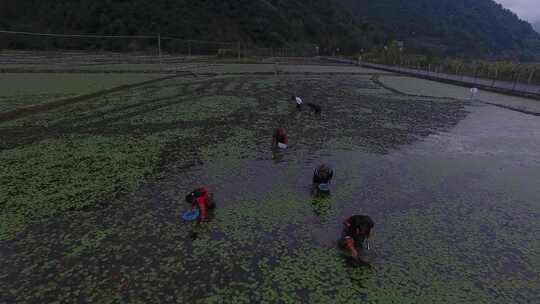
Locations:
column 91, row 197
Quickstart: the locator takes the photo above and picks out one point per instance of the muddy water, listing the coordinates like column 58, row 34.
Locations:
column 452, row 187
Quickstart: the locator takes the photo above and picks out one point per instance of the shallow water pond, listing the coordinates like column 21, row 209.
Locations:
column 454, row 198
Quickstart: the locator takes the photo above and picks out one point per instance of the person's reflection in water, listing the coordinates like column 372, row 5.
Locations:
column 356, row 263
column 321, row 202
column 321, row 205
column 278, row 155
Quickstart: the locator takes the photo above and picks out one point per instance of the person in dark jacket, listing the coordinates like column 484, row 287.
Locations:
column 280, row 139
column 357, row 229
column 323, row 174
column 321, row 179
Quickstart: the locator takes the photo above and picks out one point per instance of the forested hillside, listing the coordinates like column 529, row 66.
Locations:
column 262, row 22
column 462, row 28
column 478, row 28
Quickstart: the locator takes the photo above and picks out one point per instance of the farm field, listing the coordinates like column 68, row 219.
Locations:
column 92, row 192
column 19, row 90
column 422, row 87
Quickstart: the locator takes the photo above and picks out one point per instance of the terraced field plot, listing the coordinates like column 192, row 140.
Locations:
column 92, row 194
column 20, row 90
column 422, row 87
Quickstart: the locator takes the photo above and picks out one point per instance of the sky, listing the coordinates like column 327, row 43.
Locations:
column 528, row 10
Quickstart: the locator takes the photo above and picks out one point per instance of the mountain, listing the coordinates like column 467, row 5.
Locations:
column 536, row 26
column 465, row 28
column 262, row 22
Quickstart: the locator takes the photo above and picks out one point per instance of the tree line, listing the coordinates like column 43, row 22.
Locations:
column 266, row 23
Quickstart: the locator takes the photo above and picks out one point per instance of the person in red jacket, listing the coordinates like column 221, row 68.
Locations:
column 201, row 198
column 280, row 139
column 356, row 230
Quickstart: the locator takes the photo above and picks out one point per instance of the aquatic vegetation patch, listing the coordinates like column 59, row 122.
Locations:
column 269, row 240
column 70, row 173
column 418, row 258
column 214, row 107
column 10, row 103
column 240, row 144
column 450, row 256
column 265, row 83
column 87, row 243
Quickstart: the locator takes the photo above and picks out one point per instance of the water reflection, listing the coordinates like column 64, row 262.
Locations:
column 278, row 155
column 322, row 204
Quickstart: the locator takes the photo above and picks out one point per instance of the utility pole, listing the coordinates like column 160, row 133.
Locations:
column 159, row 45
column 516, row 81
column 531, row 75
column 159, row 51
column 495, row 77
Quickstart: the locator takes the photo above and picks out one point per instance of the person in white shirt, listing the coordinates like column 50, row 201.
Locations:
column 298, row 101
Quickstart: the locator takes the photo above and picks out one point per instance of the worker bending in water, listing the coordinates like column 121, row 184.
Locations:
column 321, row 179
column 315, row 108
column 356, row 230
column 202, row 199
column 280, row 139
column 323, row 174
